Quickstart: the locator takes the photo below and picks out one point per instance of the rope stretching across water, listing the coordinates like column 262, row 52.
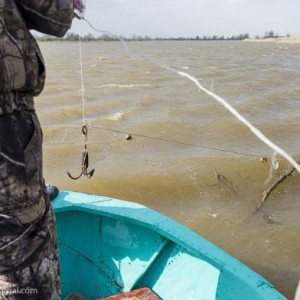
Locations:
column 231, row 109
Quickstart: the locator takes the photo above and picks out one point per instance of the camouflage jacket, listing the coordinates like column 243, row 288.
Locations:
column 22, row 70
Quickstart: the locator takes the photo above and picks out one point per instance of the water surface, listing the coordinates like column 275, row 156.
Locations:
column 182, row 139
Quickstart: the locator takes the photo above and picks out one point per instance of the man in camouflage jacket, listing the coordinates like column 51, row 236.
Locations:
column 29, row 267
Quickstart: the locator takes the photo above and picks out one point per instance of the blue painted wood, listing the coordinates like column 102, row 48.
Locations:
column 178, row 273
column 109, row 245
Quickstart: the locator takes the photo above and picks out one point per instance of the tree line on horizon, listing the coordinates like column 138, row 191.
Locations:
column 106, row 37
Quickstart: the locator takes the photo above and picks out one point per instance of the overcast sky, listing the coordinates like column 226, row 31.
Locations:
column 189, row 18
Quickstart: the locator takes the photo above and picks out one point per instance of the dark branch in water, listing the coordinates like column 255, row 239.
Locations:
column 268, row 192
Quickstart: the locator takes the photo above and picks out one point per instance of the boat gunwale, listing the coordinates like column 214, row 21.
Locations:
column 67, row 201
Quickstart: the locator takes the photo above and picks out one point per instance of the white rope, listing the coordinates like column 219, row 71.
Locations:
column 256, row 132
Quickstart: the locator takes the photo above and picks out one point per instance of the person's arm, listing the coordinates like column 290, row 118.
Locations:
column 52, row 17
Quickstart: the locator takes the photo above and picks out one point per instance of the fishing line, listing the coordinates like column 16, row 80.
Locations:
column 80, row 15
column 109, row 33
column 85, row 154
column 219, row 99
column 175, row 142
column 82, row 81
column 136, row 135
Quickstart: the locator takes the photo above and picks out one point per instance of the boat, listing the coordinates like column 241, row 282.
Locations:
column 111, row 247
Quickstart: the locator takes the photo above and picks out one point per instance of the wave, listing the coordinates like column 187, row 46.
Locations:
column 128, row 86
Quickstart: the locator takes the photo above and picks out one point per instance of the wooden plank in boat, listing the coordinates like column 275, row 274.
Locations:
column 138, row 294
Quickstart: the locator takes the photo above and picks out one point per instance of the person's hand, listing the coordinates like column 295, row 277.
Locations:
column 78, row 9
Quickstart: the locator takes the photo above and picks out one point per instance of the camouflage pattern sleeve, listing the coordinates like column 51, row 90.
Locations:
column 22, row 69
column 52, row 17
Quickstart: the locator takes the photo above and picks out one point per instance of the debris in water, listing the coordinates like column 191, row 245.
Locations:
column 267, row 192
column 226, row 183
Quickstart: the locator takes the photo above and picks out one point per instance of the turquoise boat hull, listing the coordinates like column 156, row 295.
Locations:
column 109, row 246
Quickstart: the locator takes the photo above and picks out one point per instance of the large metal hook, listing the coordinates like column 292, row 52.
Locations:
column 85, row 159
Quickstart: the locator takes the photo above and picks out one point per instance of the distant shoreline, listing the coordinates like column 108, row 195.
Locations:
column 105, row 38
column 279, row 40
